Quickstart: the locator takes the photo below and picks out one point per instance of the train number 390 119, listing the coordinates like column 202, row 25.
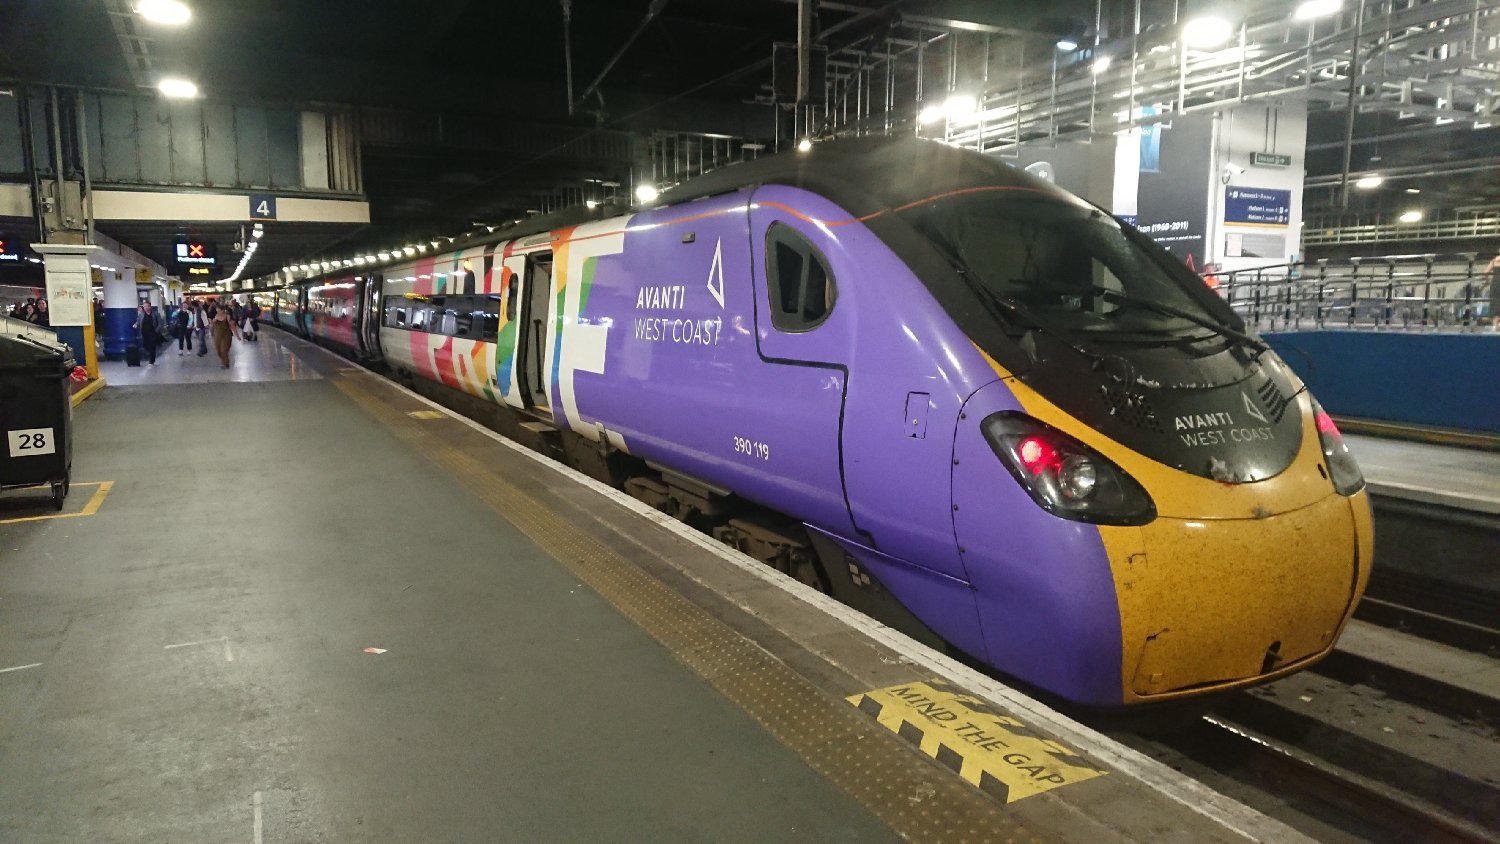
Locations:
column 751, row 448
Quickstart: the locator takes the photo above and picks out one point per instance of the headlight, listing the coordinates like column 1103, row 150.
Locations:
column 1342, row 470
column 1062, row 475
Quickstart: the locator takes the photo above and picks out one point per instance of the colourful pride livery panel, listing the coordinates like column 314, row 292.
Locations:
column 1017, row 416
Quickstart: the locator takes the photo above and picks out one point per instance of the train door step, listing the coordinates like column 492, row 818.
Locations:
column 539, row 436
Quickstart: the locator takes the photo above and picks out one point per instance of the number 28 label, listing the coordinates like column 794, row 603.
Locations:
column 31, row 442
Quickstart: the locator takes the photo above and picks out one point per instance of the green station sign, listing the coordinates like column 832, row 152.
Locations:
column 1270, row 159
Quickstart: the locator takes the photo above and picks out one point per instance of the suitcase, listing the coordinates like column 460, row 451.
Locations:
column 132, row 355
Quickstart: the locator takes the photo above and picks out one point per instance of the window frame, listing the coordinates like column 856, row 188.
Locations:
column 780, row 233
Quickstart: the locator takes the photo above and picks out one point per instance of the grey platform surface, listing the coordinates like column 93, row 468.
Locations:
column 1435, row 474
column 266, row 359
column 202, row 642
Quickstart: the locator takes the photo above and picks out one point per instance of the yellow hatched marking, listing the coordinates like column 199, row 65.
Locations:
column 425, row 414
column 915, row 798
column 990, row 749
column 89, row 509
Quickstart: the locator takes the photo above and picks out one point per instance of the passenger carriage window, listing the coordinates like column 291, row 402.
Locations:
column 801, row 288
column 420, row 317
column 463, row 321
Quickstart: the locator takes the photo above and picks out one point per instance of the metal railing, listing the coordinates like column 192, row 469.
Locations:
column 1398, row 293
column 1334, row 229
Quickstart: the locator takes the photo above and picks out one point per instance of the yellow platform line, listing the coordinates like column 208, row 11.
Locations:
column 91, row 388
column 89, row 509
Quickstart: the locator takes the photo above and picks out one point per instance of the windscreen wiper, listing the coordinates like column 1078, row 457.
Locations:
column 994, row 303
column 1168, row 310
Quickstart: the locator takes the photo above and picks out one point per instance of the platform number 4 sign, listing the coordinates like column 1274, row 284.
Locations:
column 262, row 206
column 31, row 442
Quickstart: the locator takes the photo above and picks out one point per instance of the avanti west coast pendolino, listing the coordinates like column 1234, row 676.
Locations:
column 950, row 394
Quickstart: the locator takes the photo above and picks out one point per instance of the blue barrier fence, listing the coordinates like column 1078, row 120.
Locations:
column 1438, row 380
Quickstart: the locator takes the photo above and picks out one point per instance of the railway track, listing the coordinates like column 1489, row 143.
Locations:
column 1346, row 752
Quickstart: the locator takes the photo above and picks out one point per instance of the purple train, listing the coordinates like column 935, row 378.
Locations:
column 947, row 393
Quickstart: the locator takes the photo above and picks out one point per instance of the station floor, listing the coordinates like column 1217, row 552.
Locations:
column 293, row 602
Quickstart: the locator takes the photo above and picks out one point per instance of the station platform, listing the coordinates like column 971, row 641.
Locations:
column 1426, row 473
column 293, row 601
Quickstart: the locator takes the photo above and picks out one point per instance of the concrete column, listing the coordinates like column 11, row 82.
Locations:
column 1255, row 203
column 119, row 313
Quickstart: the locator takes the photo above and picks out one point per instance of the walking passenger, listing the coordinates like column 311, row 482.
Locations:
column 205, row 314
column 148, row 324
column 224, row 330
column 183, row 328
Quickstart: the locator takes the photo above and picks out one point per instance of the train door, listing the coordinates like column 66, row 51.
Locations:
column 803, row 335
column 367, row 314
column 536, row 296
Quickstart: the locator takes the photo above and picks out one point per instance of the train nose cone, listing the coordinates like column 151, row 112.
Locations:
column 1212, row 602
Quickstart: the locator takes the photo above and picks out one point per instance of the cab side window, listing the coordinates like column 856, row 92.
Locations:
column 801, row 287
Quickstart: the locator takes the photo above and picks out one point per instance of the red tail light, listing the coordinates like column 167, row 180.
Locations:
column 1036, row 455
column 1062, row 475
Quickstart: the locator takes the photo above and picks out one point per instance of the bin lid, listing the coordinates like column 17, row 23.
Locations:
column 24, row 351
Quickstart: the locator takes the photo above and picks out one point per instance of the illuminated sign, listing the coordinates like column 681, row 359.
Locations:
column 9, row 252
column 194, row 253
column 199, row 271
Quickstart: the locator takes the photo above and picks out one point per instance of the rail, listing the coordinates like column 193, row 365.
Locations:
column 1399, row 293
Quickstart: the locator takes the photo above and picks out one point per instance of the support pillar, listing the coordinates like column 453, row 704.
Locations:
column 120, row 302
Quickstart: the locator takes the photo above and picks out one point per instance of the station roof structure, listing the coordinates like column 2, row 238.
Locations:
column 471, row 113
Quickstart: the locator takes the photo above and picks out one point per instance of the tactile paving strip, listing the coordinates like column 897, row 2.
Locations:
column 911, row 794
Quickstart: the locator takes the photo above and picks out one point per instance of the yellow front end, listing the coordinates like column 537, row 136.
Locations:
column 1232, row 584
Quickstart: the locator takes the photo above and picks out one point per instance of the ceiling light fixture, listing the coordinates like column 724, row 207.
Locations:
column 177, row 88
column 1411, row 216
column 168, row 12
column 1370, row 182
column 1310, row 9
column 1413, row 190
column 1067, row 45
column 1207, row 32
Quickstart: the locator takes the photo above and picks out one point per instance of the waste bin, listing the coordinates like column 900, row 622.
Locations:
column 36, row 414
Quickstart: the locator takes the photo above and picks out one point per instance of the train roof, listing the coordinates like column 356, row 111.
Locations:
column 866, row 175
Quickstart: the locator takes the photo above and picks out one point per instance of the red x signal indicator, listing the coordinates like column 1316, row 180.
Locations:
column 195, row 250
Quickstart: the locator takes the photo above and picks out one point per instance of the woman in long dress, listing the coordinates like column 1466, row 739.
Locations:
column 224, row 331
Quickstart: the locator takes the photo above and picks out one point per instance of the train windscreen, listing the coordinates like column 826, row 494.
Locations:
column 1075, row 265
